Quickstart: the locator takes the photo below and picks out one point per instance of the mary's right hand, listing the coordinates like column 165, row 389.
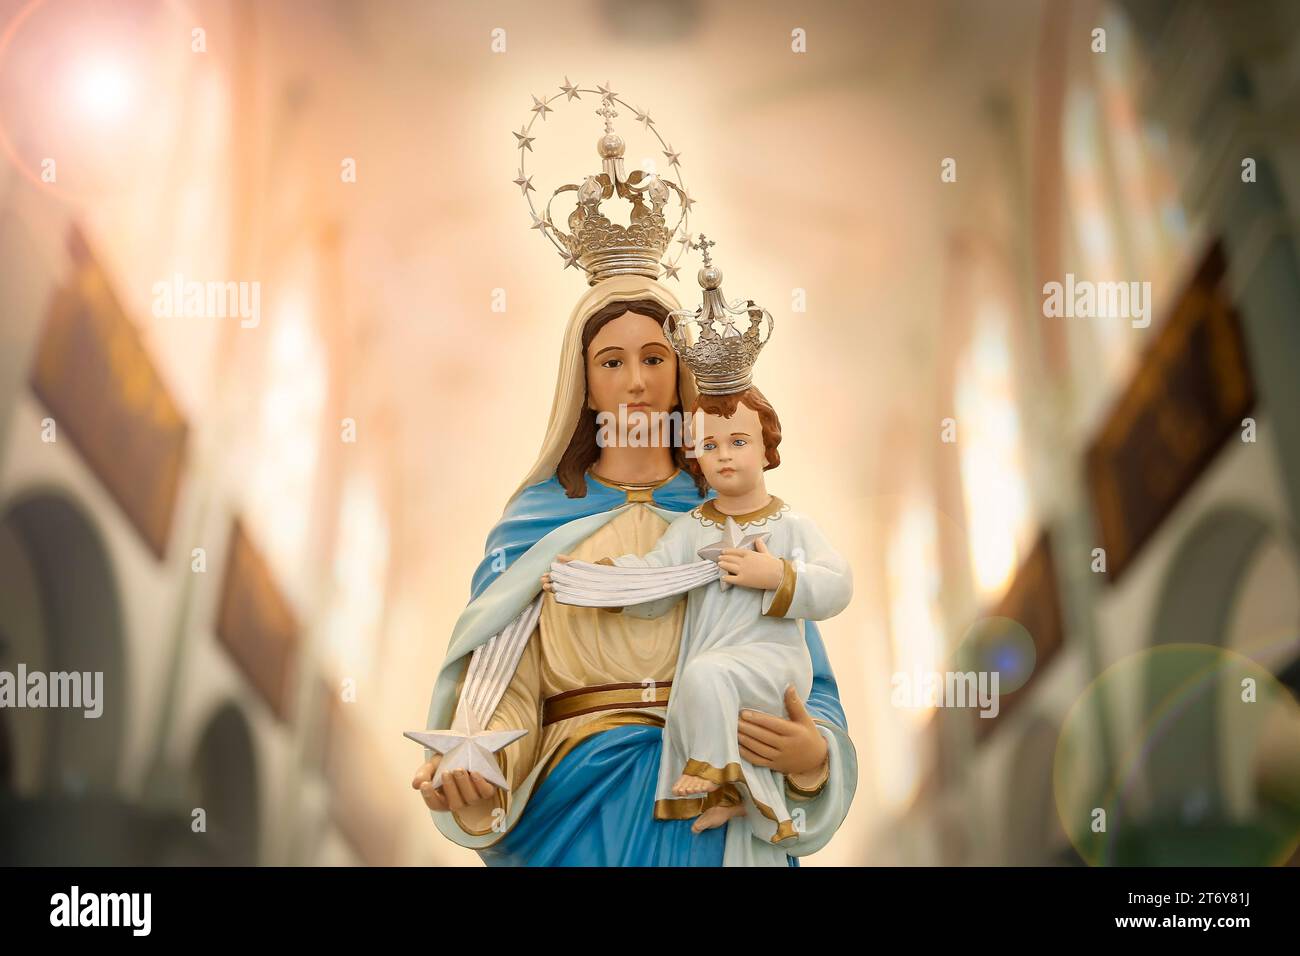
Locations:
column 459, row 789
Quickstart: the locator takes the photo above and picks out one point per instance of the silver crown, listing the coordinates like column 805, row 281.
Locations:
column 603, row 248
column 707, row 339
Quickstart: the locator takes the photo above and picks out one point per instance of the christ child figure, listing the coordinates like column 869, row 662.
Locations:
column 742, row 640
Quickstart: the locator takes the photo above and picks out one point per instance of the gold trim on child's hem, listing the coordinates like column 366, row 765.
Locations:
column 785, row 831
column 684, row 808
column 727, row 796
column 728, row 774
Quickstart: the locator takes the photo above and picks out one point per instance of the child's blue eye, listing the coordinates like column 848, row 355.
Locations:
column 739, row 442
column 709, row 446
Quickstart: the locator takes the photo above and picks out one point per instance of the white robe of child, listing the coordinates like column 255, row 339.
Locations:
column 736, row 655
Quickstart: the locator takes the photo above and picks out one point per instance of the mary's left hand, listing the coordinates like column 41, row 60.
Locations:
column 791, row 747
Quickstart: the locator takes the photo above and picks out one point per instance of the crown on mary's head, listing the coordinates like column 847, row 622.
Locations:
column 719, row 355
column 602, row 248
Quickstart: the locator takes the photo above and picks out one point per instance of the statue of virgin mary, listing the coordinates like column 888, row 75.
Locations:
column 591, row 686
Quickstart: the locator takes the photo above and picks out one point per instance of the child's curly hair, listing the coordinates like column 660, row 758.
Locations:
column 725, row 405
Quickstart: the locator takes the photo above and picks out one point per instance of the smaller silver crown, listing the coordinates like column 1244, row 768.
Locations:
column 719, row 354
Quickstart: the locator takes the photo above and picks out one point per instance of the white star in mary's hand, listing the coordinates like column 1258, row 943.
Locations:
column 731, row 538
column 467, row 746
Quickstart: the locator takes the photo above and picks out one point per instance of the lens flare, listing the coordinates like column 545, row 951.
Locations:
column 1204, row 768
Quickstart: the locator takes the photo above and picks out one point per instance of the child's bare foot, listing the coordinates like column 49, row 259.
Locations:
column 716, row 817
column 688, row 783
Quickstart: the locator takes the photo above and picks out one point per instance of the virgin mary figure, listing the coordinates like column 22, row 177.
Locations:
column 591, row 686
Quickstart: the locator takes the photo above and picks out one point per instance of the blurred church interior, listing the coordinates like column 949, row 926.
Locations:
column 261, row 532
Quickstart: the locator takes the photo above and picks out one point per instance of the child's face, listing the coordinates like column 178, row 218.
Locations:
column 730, row 451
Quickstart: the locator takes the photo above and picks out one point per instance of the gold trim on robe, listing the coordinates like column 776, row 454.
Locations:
column 587, row 700
column 784, row 593
column 796, row 792
column 709, row 510
column 637, row 491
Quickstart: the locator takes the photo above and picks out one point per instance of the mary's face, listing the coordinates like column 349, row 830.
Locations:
column 629, row 362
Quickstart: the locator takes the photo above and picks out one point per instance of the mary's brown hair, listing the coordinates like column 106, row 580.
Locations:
column 583, row 451
column 725, row 405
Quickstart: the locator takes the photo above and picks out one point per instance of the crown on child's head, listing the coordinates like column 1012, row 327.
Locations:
column 719, row 354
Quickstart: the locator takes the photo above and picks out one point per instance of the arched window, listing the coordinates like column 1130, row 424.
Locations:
column 1098, row 255
column 913, row 577
column 282, row 484
column 360, row 572
column 1152, row 217
column 994, row 486
column 1127, row 224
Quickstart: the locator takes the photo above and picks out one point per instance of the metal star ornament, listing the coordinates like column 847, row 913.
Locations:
column 731, row 538
column 467, row 746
